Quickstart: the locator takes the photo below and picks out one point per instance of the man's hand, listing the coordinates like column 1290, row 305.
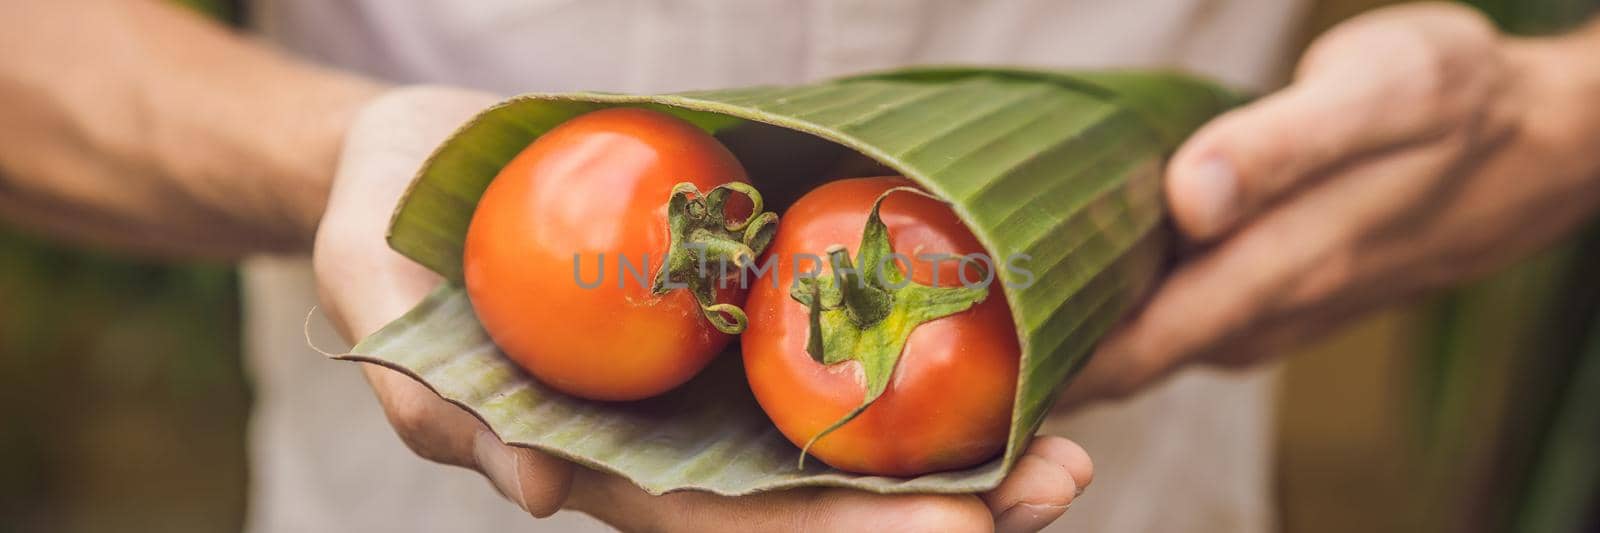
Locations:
column 364, row 285
column 1417, row 148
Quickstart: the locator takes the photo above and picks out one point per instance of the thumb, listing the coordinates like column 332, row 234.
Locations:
column 1362, row 88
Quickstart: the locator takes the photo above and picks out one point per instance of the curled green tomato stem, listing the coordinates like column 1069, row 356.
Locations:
column 867, row 313
column 703, row 238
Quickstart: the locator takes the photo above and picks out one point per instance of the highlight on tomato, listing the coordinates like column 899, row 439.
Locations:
column 598, row 259
column 890, row 355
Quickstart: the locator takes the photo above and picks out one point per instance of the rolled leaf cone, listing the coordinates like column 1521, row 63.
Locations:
column 1062, row 166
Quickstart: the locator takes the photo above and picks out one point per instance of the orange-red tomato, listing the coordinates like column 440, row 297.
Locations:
column 592, row 190
column 948, row 402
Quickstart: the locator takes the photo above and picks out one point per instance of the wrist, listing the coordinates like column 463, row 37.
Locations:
column 255, row 146
column 325, row 115
column 1557, row 79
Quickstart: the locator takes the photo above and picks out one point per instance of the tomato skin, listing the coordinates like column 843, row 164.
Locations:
column 948, row 403
column 596, row 184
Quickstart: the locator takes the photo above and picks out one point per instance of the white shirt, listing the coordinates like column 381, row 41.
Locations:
column 1193, row 454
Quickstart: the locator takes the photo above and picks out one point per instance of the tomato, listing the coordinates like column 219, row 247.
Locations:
column 566, row 211
column 947, row 403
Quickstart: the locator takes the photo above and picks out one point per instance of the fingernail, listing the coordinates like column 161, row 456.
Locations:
column 499, row 463
column 1214, row 195
column 1027, row 517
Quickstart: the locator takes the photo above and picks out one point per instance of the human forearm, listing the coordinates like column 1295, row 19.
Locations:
column 138, row 125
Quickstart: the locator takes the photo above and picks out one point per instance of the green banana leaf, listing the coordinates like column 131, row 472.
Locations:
column 1063, row 167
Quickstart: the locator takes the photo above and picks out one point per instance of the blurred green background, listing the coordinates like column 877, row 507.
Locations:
column 121, row 393
column 124, row 401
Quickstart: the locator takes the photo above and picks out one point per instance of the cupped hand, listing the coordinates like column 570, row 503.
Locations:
column 1416, row 148
column 364, row 285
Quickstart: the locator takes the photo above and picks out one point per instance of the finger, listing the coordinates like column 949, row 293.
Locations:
column 1342, row 105
column 431, row 427
column 623, row 505
column 1287, row 335
column 1046, row 479
column 1293, row 260
column 441, row 432
column 536, row 481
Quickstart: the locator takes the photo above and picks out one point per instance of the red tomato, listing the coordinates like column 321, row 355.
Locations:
column 592, row 190
column 948, row 402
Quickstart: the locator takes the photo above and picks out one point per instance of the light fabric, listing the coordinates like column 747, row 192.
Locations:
column 1191, row 455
